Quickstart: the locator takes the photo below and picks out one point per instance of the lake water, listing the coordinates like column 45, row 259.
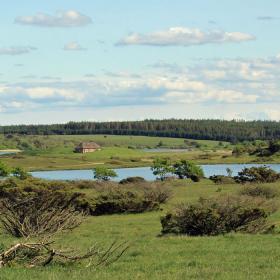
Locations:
column 6, row 153
column 145, row 172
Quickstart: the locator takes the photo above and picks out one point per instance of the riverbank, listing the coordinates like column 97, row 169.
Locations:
column 10, row 151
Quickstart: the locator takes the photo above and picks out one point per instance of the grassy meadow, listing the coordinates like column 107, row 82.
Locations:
column 56, row 151
column 150, row 256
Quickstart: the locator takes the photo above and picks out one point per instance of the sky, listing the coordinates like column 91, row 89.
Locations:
column 104, row 60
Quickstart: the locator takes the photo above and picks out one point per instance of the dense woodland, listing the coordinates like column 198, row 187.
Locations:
column 221, row 130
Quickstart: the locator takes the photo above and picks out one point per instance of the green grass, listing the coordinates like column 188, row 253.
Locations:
column 56, row 151
column 233, row 256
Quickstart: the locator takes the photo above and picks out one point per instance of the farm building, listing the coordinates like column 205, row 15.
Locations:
column 88, row 147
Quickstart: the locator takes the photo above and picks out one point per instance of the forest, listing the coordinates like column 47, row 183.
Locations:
column 220, row 130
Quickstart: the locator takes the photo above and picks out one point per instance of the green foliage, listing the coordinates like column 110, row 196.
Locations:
column 229, row 172
column 262, row 174
column 220, row 130
column 274, row 147
column 218, row 216
column 104, row 174
column 186, row 169
column 4, row 170
column 162, row 168
column 20, row 173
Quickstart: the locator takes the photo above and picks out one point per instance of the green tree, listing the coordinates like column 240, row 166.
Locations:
column 274, row 146
column 20, row 173
column 229, row 172
column 186, row 169
column 4, row 170
column 104, row 174
column 161, row 168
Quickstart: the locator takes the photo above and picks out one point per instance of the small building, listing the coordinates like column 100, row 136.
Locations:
column 87, row 147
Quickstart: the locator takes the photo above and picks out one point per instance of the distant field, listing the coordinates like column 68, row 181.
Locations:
column 56, row 151
column 69, row 141
column 228, row 257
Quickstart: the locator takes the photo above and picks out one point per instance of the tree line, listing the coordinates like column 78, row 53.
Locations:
column 221, row 130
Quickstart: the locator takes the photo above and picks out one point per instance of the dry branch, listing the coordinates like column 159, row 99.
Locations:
column 38, row 214
column 43, row 253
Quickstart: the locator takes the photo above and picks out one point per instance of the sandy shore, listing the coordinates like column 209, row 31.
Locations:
column 10, row 151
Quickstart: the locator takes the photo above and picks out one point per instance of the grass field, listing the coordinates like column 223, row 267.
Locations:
column 56, row 152
column 232, row 256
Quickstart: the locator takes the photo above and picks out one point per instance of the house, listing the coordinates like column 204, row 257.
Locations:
column 87, row 147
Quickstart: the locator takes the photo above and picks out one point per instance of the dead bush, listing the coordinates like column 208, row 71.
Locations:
column 31, row 214
column 44, row 252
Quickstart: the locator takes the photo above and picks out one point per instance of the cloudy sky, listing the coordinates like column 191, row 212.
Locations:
column 63, row 60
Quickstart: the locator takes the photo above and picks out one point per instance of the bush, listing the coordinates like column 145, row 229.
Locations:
column 218, row 216
column 20, row 173
column 131, row 180
column 221, row 179
column 263, row 191
column 4, row 170
column 100, row 197
column 26, row 214
column 262, row 174
column 115, row 199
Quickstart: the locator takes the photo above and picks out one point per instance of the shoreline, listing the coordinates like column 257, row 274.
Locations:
column 10, row 151
column 145, row 166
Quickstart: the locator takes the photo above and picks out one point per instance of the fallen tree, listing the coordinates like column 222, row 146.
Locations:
column 44, row 252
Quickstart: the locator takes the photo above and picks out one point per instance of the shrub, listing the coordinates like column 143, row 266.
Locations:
column 218, row 216
column 221, row 179
column 20, row 173
column 131, row 180
column 129, row 199
column 262, row 174
column 4, row 170
column 100, row 197
column 263, row 191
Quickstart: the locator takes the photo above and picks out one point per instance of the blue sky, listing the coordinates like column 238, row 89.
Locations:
column 117, row 60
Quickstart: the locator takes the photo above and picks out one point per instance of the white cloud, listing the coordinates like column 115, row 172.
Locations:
column 73, row 46
column 182, row 36
column 240, row 83
column 16, row 50
column 68, row 18
column 216, row 96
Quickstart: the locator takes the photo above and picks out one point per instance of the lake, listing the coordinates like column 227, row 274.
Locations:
column 6, row 153
column 145, row 172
